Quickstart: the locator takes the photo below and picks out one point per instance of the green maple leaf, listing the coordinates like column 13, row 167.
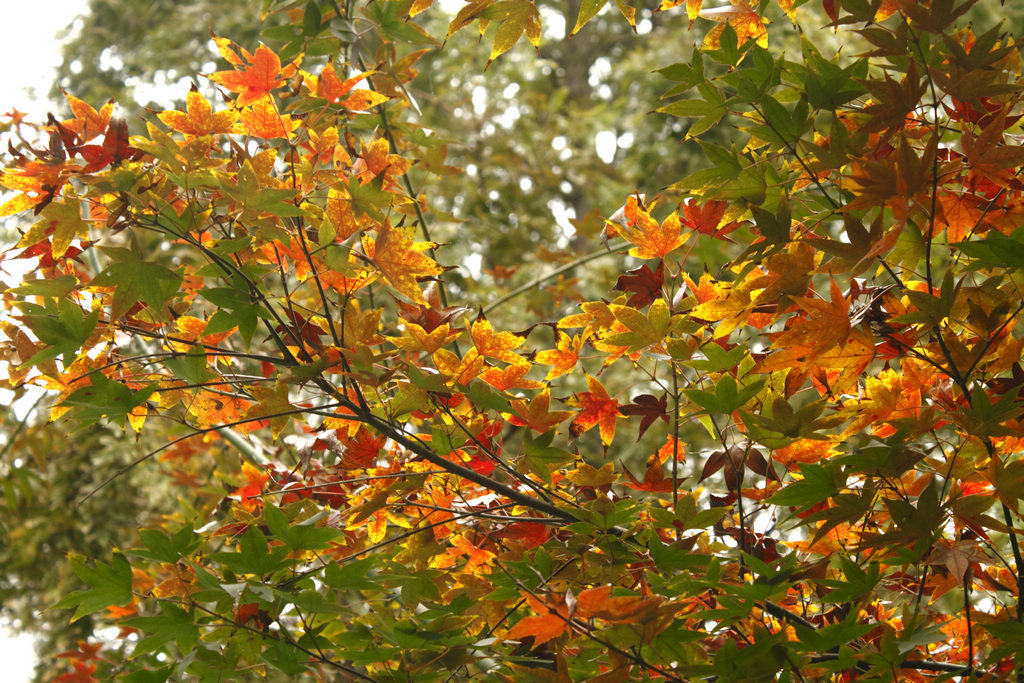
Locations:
column 174, row 624
column 106, row 398
column 109, row 584
column 136, row 280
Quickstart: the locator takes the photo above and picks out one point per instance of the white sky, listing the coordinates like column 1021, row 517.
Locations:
column 29, row 50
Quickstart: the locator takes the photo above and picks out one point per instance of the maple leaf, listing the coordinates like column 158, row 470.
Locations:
column 324, row 148
column 706, row 218
column 827, row 326
column 541, row 628
column 88, row 123
column 536, row 413
column 459, row 370
column 493, row 344
column 693, row 7
column 432, row 314
column 85, row 652
column 331, row 88
column 362, row 450
column 643, row 330
column 62, row 221
column 84, row 672
column 376, row 160
column 136, row 280
column 962, row 215
column 339, row 211
column 478, row 559
column 564, row 357
column 644, row 284
column 249, row 494
column 516, row 17
column 727, row 303
column 596, row 316
column 179, row 581
column 652, row 240
column 654, row 479
column 253, row 81
column 418, row 339
column 596, row 408
column 401, row 259
column 211, row 408
column 510, row 377
column 112, row 151
column 262, row 120
column 37, row 181
column 650, row 408
column 198, row 117
column 270, row 403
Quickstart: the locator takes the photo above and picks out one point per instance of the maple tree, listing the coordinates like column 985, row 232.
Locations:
column 380, row 482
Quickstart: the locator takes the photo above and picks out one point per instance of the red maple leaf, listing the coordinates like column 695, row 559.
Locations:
column 649, row 407
column 644, row 283
column 706, row 217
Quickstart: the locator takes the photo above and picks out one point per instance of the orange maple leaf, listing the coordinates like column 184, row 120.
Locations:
column 827, row 326
column 596, row 408
column 249, row 494
column 654, row 478
column 212, row 408
column 706, row 217
column 339, row 211
column 88, row 123
column 564, row 357
column 535, row 414
column 962, row 214
column 253, row 82
column 510, row 377
column 495, row 344
column 84, row 653
column 199, row 117
column 180, row 581
column 331, row 88
column 478, row 559
column 651, row 239
column 263, row 120
column 541, row 628
column 376, row 159
column 401, row 259
column 459, row 370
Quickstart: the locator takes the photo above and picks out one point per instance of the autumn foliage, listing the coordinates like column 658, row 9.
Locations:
column 805, row 465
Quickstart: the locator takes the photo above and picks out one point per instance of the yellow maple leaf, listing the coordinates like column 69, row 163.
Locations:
column 495, row 344
column 199, row 117
column 401, row 259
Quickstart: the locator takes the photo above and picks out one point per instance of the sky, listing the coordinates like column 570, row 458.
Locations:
column 30, row 53
column 30, row 50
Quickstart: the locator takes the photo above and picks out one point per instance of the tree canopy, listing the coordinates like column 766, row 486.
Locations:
column 368, row 407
